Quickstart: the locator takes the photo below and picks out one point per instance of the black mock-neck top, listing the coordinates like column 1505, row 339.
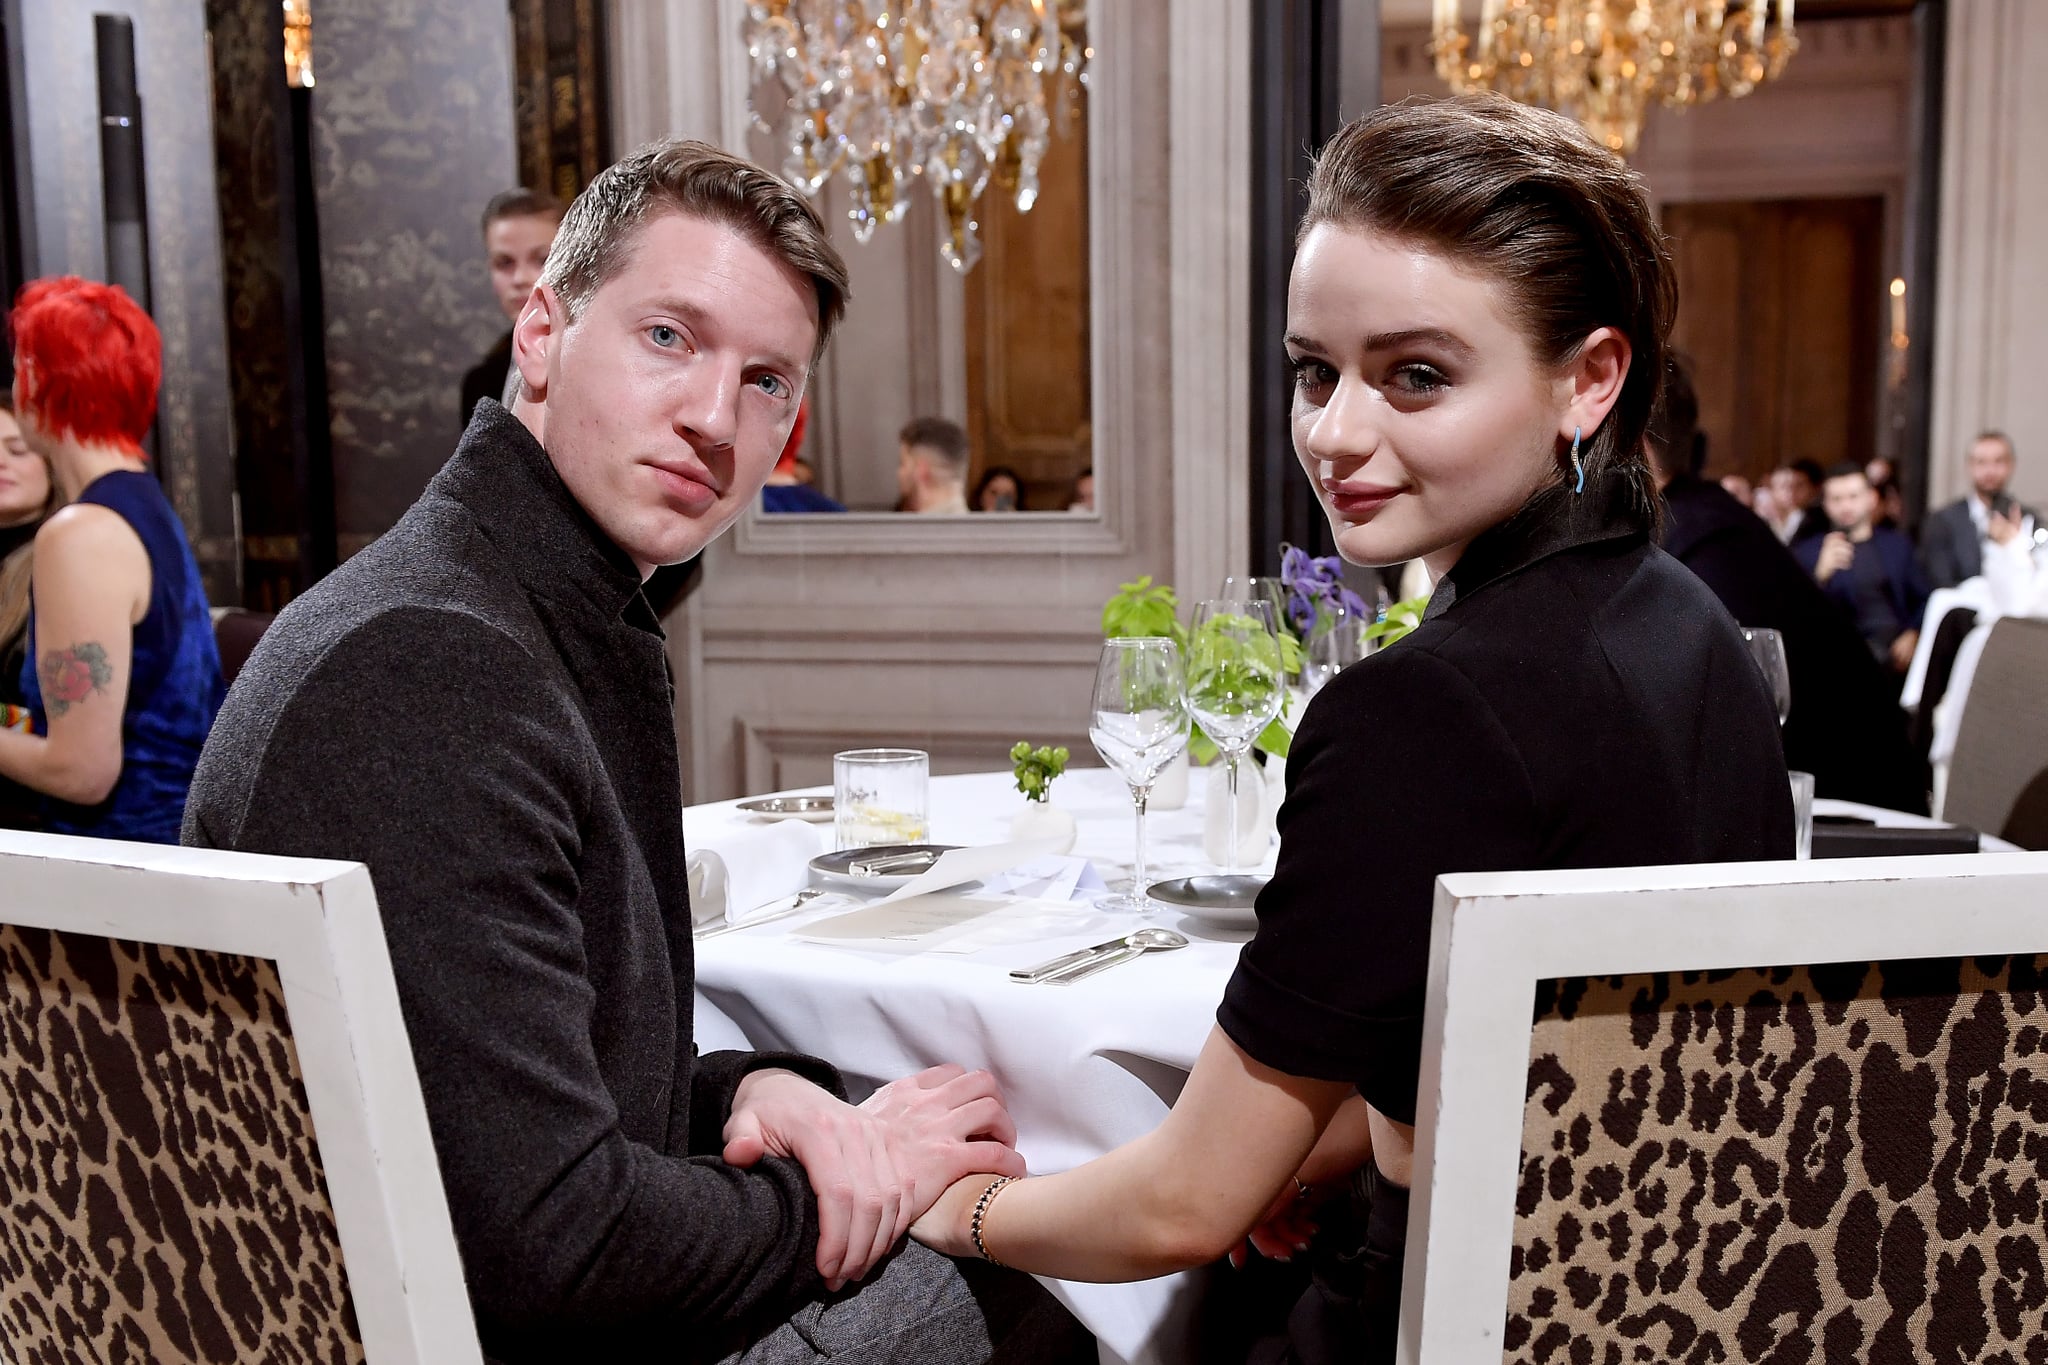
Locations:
column 1573, row 698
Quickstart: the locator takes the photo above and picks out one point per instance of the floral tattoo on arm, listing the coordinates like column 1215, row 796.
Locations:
column 71, row 675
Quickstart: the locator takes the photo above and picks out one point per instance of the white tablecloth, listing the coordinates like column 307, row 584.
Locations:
column 1085, row 1067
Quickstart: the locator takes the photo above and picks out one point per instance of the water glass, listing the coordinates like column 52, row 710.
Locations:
column 1767, row 648
column 879, row 796
column 1138, row 724
column 1802, row 815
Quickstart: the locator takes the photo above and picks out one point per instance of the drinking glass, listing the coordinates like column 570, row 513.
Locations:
column 1333, row 645
column 1139, row 724
column 1234, row 685
column 1767, row 648
column 879, row 797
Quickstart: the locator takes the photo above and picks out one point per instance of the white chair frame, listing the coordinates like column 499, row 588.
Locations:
column 1495, row 935
column 318, row 922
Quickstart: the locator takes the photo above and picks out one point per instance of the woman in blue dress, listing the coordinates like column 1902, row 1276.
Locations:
column 122, row 676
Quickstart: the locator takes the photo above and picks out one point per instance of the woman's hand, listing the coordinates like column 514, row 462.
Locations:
column 947, row 1226
column 1286, row 1226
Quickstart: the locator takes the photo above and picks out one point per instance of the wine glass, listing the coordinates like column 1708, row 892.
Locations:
column 1234, row 685
column 1332, row 647
column 1139, row 724
column 1767, row 648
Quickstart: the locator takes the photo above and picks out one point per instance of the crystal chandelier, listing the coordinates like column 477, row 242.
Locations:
column 958, row 92
column 1605, row 62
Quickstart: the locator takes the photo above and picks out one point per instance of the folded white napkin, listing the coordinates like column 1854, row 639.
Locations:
column 750, row 867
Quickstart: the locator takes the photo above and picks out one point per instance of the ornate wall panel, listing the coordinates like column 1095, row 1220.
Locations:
column 412, row 136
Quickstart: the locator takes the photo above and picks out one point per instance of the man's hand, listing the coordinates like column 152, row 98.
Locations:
column 944, row 1123
column 876, row 1167
column 1903, row 646
column 1836, row 554
column 2001, row 529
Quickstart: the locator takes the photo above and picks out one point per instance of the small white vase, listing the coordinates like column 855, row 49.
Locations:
column 1042, row 820
column 1252, row 829
column 1170, row 788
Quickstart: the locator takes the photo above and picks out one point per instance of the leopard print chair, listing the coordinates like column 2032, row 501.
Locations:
column 165, row 1196
column 1826, row 1164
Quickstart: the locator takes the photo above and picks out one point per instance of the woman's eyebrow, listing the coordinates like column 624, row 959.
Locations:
column 1437, row 336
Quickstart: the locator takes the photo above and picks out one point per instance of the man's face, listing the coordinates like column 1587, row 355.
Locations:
column 666, row 404
column 1990, row 467
column 1851, row 502
column 909, row 470
column 517, row 248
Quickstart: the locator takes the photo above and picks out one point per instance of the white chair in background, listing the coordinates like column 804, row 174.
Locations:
column 214, row 1146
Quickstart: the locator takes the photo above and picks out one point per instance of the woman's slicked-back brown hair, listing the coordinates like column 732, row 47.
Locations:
column 1525, row 197
column 601, row 228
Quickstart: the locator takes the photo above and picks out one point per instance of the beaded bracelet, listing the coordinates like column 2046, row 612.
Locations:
column 988, row 1197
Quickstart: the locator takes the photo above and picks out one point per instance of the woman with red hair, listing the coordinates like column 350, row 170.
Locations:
column 122, row 676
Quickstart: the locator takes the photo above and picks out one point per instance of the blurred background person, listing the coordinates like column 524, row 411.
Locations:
column 1795, row 487
column 28, row 495
column 1000, row 490
column 519, row 229
column 931, row 466
column 1738, row 488
column 1084, row 492
column 125, row 678
column 787, row 490
column 1869, row 570
column 1844, row 726
column 1952, row 541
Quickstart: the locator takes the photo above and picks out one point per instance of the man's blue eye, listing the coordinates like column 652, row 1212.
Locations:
column 772, row 385
column 663, row 336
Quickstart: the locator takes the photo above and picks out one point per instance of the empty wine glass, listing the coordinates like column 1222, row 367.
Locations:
column 1332, row 647
column 1139, row 724
column 1767, row 648
column 1234, row 685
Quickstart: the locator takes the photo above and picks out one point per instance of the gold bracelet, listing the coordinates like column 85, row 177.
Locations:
column 988, row 1196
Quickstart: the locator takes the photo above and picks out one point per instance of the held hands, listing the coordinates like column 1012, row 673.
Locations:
column 1836, row 554
column 1286, row 1226
column 874, row 1168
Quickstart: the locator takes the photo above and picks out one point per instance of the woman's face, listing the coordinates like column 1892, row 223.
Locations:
column 24, row 478
column 1420, row 413
column 1000, row 495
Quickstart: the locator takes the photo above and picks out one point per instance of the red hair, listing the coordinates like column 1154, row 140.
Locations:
column 786, row 462
column 88, row 361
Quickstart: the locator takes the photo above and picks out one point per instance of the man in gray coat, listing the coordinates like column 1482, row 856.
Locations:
column 477, row 706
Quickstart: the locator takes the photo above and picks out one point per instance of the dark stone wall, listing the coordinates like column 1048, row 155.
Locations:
column 63, row 232
column 412, row 135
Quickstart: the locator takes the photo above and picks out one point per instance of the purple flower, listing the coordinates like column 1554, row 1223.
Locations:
column 1315, row 588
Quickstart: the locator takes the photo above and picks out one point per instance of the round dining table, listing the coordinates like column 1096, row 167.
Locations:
column 1084, row 1067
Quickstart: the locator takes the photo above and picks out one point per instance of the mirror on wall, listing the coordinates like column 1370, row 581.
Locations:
column 986, row 370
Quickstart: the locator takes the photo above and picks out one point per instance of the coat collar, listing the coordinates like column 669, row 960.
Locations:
column 1551, row 522
column 500, row 473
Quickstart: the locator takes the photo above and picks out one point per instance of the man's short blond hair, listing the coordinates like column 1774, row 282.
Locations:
column 598, row 232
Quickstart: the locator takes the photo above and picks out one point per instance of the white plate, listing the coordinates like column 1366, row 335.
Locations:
column 834, row 868
column 1218, row 900
column 814, row 810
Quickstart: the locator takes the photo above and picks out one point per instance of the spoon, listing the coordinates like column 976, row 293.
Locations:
column 1053, row 966
column 1134, row 945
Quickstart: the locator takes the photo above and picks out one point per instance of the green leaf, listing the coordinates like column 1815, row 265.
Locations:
column 1276, row 739
column 1036, row 768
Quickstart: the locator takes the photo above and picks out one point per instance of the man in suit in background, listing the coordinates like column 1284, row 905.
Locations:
column 519, row 227
column 1845, row 727
column 1952, row 542
column 1868, row 569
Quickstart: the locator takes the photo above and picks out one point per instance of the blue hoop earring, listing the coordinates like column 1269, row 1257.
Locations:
column 1577, row 468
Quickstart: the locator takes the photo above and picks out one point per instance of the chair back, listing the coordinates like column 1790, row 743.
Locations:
column 215, row 1147
column 1998, row 779
column 1763, row 1111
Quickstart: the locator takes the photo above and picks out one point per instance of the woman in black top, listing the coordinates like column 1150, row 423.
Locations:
column 1476, row 319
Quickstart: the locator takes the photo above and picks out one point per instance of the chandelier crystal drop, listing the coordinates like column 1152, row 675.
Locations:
column 960, row 93
column 1605, row 62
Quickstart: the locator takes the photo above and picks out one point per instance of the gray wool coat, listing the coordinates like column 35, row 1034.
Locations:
column 478, row 707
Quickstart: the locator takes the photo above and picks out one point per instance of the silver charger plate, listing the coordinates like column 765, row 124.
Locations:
column 816, row 810
column 836, row 867
column 1224, row 900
